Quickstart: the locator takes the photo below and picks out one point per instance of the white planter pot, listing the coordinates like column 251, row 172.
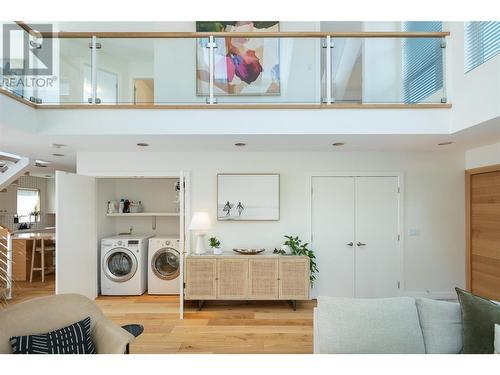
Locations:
column 217, row 251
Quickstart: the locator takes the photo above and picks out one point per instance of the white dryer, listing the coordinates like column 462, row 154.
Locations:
column 124, row 265
column 164, row 266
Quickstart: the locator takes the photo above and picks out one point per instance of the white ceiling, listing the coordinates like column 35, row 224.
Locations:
column 38, row 146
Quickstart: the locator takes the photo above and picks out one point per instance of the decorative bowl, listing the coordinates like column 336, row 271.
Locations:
column 249, row 251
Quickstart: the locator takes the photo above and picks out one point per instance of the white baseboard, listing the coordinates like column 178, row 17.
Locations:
column 431, row 295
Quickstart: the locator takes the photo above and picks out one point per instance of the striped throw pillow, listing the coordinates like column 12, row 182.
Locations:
column 73, row 339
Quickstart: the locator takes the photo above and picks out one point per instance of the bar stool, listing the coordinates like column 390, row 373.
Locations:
column 40, row 249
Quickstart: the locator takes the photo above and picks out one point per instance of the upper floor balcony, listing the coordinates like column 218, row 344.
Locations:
column 251, row 66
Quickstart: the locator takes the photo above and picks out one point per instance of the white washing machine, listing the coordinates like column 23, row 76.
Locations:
column 124, row 265
column 163, row 266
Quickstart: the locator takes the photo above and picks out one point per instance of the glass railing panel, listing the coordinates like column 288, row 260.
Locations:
column 265, row 71
column 387, row 70
column 144, row 71
column 176, row 71
column 70, row 82
column 14, row 74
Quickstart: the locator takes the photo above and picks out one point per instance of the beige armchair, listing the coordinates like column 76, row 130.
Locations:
column 45, row 314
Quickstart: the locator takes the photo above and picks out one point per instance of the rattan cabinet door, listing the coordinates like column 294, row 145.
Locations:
column 232, row 279
column 200, row 278
column 263, row 279
column 293, row 278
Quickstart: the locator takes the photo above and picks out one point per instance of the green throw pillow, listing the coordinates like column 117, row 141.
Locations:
column 479, row 317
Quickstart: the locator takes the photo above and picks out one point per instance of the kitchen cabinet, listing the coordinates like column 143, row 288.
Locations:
column 22, row 247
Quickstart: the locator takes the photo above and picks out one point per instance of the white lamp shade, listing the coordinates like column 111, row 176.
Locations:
column 200, row 221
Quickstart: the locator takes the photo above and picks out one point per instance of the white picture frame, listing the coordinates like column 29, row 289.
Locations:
column 248, row 197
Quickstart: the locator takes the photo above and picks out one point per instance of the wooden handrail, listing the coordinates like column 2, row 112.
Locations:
column 189, row 35
column 194, row 35
column 230, row 106
column 250, row 106
column 17, row 97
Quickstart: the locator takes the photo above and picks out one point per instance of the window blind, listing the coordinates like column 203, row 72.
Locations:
column 422, row 62
column 482, row 42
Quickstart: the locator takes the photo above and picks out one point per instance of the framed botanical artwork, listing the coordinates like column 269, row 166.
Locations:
column 242, row 66
column 245, row 197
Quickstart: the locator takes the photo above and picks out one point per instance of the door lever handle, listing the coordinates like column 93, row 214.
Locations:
column 350, row 244
column 360, row 244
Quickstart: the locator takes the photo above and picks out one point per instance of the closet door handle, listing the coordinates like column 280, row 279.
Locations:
column 350, row 244
column 360, row 244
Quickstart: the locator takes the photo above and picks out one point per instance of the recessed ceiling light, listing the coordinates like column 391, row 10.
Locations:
column 142, row 144
column 445, row 143
column 58, row 145
column 240, row 144
column 337, row 144
column 57, row 154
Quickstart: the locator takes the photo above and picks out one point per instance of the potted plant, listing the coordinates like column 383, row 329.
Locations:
column 215, row 245
column 294, row 246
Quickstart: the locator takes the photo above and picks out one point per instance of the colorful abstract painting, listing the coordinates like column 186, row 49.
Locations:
column 242, row 66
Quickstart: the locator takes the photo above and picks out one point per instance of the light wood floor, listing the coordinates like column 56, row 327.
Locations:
column 221, row 327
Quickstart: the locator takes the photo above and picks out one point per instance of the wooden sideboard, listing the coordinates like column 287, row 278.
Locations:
column 246, row 277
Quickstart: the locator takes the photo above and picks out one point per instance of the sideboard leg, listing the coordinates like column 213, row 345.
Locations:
column 200, row 304
column 293, row 303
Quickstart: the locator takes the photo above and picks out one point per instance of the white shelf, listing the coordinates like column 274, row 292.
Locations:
column 143, row 214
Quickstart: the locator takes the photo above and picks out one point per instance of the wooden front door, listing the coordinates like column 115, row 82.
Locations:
column 484, row 256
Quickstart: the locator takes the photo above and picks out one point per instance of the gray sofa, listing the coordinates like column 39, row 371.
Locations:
column 399, row 325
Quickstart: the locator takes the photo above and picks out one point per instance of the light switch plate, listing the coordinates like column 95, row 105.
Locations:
column 413, row 232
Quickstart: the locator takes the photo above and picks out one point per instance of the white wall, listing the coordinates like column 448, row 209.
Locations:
column 482, row 156
column 220, row 121
column 434, row 200
column 475, row 95
column 17, row 116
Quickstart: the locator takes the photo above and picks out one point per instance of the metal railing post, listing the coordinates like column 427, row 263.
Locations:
column 93, row 67
column 9, row 266
column 328, row 70
column 444, row 98
column 211, row 66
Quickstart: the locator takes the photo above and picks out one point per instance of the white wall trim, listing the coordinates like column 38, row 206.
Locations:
column 401, row 227
column 129, row 174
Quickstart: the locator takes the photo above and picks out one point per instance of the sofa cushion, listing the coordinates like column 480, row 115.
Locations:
column 73, row 339
column 385, row 325
column 441, row 324
column 479, row 317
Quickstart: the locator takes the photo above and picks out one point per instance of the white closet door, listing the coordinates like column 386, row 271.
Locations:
column 377, row 250
column 332, row 232
column 76, row 234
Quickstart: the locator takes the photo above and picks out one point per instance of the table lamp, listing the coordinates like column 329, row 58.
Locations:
column 200, row 223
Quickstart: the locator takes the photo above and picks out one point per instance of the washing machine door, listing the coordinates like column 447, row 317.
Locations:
column 119, row 264
column 165, row 263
